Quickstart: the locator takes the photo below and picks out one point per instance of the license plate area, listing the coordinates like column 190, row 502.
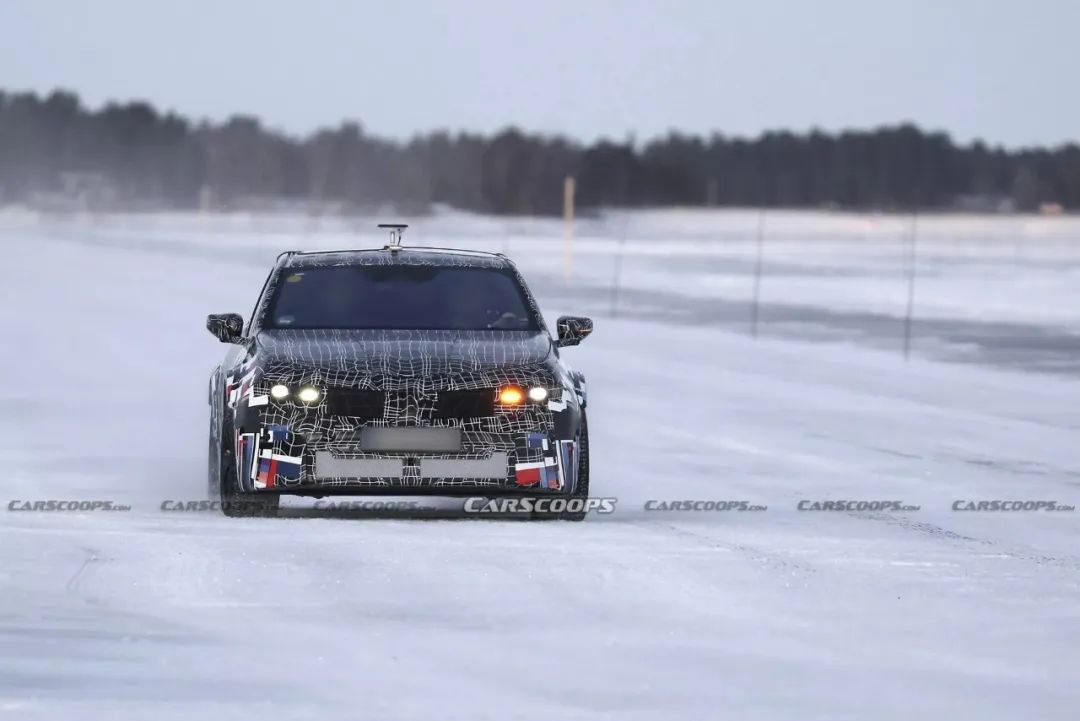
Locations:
column 327, row 465
column 410, row 440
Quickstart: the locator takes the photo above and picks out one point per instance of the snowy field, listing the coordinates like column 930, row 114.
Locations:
column 775, row 614
column 989, row 290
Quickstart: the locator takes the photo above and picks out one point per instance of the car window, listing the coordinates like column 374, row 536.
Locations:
column 400, row 297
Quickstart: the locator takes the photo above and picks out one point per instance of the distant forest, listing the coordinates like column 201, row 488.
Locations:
column 54, row 151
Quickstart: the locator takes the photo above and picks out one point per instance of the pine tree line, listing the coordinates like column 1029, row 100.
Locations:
column 132, row 155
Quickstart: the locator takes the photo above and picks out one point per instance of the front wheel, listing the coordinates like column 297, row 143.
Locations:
column 238, row 504
column 222, row 481
column 581, row 490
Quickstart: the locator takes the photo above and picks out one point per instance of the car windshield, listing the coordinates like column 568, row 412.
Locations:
column 417, row 297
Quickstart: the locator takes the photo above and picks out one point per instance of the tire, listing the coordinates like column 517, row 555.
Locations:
column 582, row 488
column 243, row 504
column 221, row 479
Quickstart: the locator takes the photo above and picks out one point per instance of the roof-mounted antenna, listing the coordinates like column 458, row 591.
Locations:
column 396, row 231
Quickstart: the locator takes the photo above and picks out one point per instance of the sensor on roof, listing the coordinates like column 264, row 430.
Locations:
column 396, row 231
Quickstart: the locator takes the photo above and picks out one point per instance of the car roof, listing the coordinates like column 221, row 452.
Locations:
column 406, row 255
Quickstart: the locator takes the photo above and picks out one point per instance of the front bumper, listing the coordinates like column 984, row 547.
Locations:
column 327, row 447
column 277, row 458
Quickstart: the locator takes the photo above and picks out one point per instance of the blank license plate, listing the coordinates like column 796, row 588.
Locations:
column 410, row 439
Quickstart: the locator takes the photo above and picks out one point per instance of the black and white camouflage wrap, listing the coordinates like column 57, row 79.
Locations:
column 408, row 370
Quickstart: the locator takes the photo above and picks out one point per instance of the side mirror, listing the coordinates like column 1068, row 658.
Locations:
column 226, row 327
column 572, row 330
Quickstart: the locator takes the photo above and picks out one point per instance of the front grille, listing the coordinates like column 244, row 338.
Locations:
column 465, row 404
column 355, row 403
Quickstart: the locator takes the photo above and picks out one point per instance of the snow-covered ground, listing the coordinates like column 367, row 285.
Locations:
column 772, row 614
column 1002, row 268
column 987, row 289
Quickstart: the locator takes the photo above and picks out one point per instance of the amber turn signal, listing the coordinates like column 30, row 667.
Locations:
column 511, row 396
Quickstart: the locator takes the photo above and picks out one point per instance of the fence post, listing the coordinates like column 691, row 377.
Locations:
column 912, row 257
column 616, row 277
column 568, row 226
column 758, row 268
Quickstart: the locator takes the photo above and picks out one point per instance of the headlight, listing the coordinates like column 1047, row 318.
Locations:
column 279, row 392
column 516, row 395
column 307, row 394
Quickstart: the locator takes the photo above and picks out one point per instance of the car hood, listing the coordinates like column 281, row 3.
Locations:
column 412, row 352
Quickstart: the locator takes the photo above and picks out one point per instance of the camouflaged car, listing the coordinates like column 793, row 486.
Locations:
column 395, row 371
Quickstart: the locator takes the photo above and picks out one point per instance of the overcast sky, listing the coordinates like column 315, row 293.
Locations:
column 1004, row 71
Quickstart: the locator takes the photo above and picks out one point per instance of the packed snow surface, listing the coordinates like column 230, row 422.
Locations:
column 774, row 614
